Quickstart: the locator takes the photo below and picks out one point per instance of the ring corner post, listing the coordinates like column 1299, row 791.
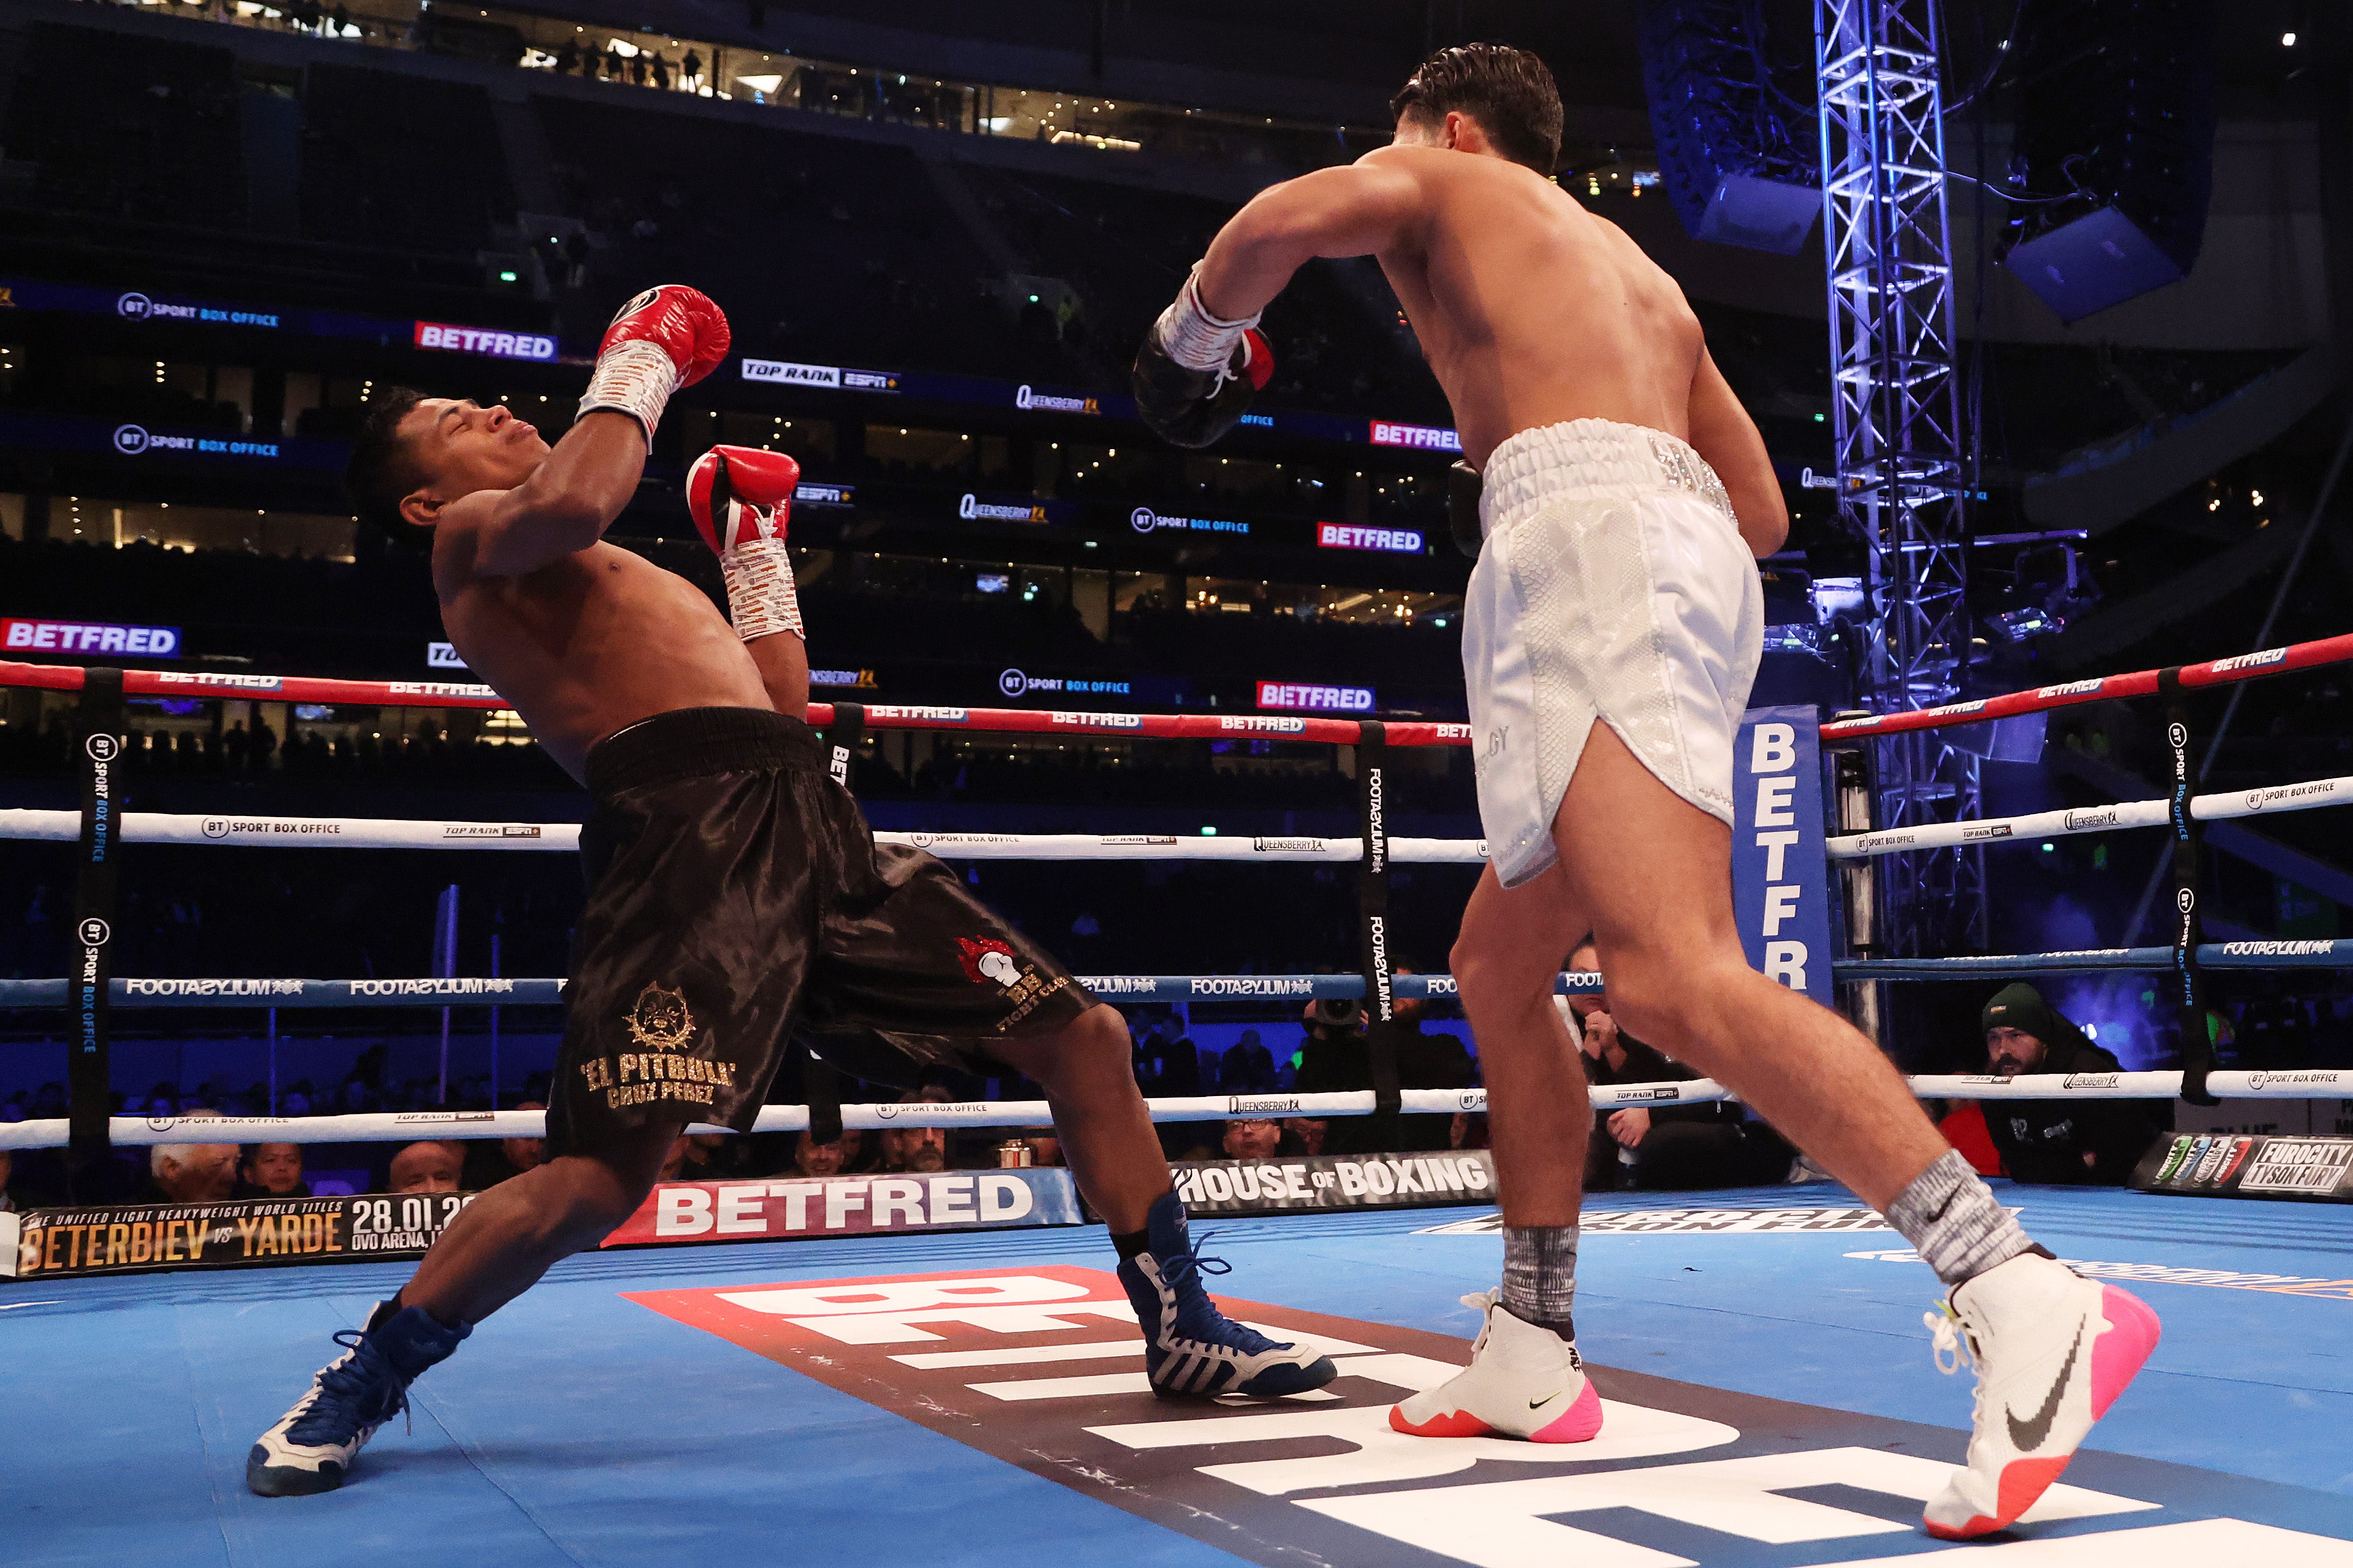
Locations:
column 2197, row 1048
column 1373, row 905
column 89, row 1087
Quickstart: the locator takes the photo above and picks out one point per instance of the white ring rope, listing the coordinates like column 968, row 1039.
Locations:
column 2269, row 801
column 395, row 833
column 391, row 1127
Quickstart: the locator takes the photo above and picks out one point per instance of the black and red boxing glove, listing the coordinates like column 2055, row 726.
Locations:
column 666, row 338
column 1196, row 373
column 741, row 499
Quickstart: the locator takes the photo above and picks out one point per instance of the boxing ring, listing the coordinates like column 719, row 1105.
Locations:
column 975, row 1397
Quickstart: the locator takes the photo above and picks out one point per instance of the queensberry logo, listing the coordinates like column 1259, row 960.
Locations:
column 856, row 677
column 973, row 507
column 1342, row 536
column 484, row 341
column 1143, row 520
column 1027, row 396
column 1332, row 698
column 786, row 373
column 1422, row 438
column 138, row 307
column 82, row 637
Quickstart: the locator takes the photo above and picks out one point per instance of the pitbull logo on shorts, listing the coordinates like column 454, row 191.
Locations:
column 661, row 1019
column 988, row 959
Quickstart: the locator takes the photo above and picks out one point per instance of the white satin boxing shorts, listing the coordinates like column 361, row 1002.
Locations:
column 1613, row 585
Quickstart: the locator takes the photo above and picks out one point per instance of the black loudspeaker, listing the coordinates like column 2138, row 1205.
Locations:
column 2116, row 107
column 1739, row 163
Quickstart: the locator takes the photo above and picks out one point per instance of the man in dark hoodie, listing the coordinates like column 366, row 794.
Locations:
column 2072, row 1143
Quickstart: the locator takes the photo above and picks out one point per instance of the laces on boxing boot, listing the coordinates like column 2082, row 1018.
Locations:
column 1191, row 1350
column 311, row 1447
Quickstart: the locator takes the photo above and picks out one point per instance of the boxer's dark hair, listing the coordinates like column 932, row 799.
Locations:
column 1508, row 92
column 383, row 467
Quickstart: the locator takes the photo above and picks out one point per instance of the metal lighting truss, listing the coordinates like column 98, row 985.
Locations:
column 1897, row 423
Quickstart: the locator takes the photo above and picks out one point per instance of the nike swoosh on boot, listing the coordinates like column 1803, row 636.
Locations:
column 2028, row 1436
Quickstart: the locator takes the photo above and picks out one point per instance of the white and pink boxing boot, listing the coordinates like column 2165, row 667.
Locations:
column 2052, row 1351
column 1522, row 1382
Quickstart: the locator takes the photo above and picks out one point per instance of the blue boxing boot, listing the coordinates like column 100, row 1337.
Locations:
column 1191, row 1350
column 311, row 1447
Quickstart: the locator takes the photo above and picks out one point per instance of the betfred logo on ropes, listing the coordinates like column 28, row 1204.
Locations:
column 2249, row 661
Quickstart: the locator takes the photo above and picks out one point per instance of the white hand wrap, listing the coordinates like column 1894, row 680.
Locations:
column 1194, row 338
column 634, row 378
column 762, row 597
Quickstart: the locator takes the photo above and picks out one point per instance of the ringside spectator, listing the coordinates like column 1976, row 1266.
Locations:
column 193, row 1173
column 1251, row 1139
column 272, row 1170
column 821, row 1160
column 488, row 1164
column 431, row 1167
column 2072, row 1143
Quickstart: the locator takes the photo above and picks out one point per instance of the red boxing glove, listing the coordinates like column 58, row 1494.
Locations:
column 738, row 494
column 741, row 498
column 664, row 338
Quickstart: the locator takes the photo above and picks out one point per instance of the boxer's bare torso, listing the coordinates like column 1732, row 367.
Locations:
column 591, row 642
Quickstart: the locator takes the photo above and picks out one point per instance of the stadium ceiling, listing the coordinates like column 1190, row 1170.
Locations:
column 1340, row 59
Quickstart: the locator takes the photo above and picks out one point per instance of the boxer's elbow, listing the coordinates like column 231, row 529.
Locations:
column 1764, row 525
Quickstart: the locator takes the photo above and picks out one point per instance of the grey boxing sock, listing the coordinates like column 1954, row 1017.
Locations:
column 1950, row 1216
column 1540, row 1275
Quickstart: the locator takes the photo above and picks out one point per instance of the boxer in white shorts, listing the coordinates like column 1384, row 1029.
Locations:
column 1611, row 635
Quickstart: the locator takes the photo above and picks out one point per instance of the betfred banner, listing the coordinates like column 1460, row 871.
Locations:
column 485, row 341
column 786, row 1208
column 88, row 637
column 245, row 1233
column 1335, row 1182
column 1780, row 881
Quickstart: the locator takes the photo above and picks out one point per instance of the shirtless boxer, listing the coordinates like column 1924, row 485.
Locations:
column 1611, row 631
column 734, row 892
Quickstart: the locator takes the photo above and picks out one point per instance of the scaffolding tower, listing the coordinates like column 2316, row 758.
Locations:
column 1895, row 401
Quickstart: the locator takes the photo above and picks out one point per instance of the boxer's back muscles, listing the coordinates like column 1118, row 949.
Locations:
column 1531, row 309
